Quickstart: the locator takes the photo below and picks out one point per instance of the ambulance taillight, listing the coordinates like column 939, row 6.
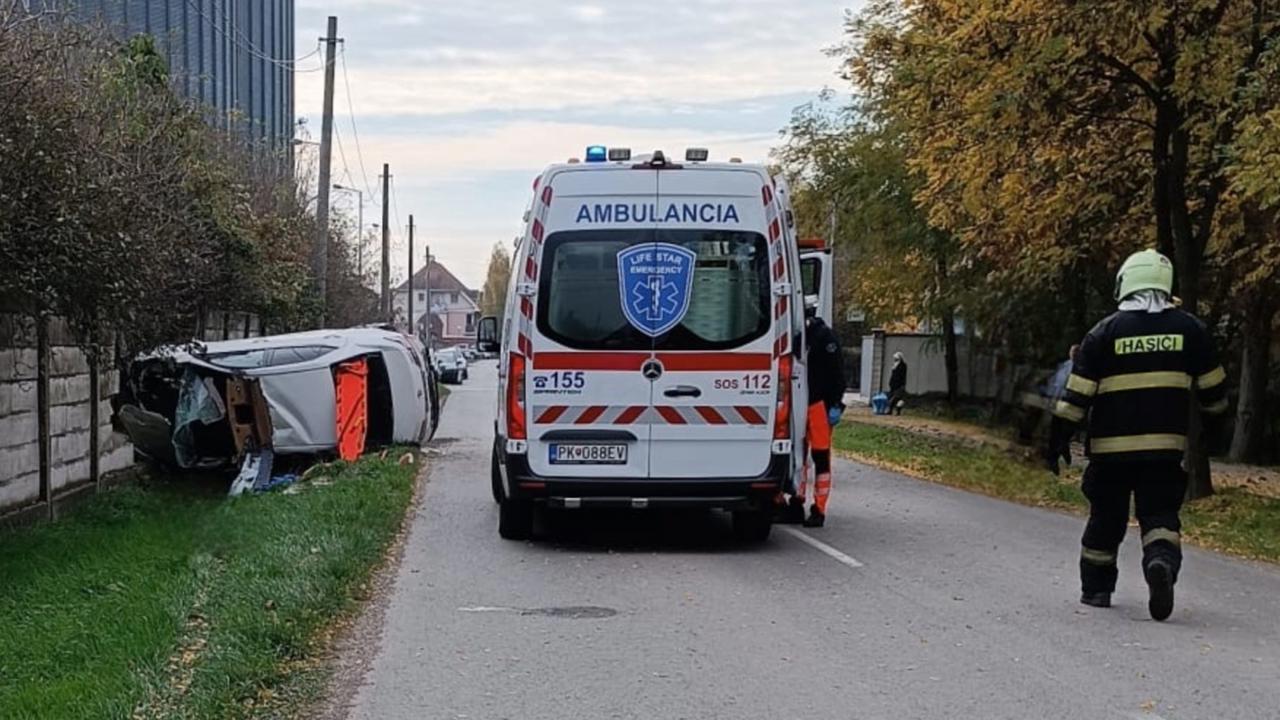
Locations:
column 782, row 417
column 516, row 426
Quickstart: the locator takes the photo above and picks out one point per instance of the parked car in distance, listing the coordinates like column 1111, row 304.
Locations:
column 451, row 365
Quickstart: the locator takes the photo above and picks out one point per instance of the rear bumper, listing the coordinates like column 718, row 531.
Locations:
column 728, row 493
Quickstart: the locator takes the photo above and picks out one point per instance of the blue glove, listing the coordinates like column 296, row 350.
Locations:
column 834, row 414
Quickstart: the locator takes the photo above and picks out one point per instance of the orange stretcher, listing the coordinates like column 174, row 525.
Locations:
column 351, row 385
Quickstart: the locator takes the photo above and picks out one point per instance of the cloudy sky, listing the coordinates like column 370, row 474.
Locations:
column 469, row 100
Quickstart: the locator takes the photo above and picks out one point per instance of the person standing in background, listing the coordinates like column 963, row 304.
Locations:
column 898, row 384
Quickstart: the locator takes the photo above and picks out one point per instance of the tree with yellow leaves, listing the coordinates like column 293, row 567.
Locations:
column 493, row 296
column 1055, row 137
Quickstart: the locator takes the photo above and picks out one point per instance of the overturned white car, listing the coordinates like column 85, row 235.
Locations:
column 326, row 392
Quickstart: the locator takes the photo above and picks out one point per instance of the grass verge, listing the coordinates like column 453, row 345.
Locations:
column 160, row 603
column 1232, row 521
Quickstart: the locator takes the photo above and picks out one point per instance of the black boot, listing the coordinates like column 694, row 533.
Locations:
column 791, row 513
column 1160, row 584
column 1097, row 599
column 816, row 518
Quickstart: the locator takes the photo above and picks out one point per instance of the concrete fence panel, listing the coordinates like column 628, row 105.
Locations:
column 56, row 435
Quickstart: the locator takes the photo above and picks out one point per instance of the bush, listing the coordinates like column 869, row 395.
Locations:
column 122, row 209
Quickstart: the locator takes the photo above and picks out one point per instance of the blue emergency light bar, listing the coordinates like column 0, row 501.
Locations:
column 597, row 153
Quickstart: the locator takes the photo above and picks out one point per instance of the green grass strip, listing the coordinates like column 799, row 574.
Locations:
column 1232, row 521
column 163, row 603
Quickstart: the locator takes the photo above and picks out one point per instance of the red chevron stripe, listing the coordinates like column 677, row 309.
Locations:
column 551, row 414
column 630, row 415
column 709, row 414
column 671, row 415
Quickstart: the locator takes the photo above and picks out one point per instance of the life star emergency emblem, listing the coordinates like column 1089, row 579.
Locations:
column 655, row 282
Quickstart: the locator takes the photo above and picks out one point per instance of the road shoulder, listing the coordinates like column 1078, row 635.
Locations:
column 354, row 640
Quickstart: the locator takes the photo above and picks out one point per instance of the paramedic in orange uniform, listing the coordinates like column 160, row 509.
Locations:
column 826, row 404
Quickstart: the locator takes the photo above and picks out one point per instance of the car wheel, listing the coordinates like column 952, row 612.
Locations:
column 495, row 474
column 752, row 526
column 515, row 519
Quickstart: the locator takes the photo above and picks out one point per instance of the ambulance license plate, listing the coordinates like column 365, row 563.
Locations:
column 588, row 454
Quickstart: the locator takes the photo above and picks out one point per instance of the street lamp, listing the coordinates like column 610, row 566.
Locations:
column 360, row 229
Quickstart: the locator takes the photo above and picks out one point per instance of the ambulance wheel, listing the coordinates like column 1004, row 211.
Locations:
column 752, row 526
column 515, row 519
column 495, row 474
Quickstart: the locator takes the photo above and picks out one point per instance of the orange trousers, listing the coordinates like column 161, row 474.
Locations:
column 818, row 433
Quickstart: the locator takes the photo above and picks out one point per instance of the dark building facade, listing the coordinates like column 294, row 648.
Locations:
column 235, row 57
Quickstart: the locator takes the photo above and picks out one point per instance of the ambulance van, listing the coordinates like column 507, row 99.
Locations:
column 650, row 349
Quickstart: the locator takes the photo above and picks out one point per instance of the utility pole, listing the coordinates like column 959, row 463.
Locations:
column 411, row 323
column 386, row 242
column 320, row 253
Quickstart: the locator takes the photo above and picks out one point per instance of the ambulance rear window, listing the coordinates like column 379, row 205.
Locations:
column 579, row 300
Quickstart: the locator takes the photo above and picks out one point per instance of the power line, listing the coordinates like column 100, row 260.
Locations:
column 342, row 155
column 249, row 48
column 351, row 114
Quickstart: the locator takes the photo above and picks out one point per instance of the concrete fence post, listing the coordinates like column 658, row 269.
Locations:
column 42, row 412
column 95, row 398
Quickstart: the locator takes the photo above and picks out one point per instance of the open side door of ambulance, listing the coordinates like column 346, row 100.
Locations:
column 817, row 276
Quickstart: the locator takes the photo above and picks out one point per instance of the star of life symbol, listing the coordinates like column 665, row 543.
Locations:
column 655, row 281
column 656, row 298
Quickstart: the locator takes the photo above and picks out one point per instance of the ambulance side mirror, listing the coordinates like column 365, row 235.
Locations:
column 487, row 335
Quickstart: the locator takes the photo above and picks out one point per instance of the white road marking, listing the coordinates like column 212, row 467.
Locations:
column 822, row 547
column 488, row 609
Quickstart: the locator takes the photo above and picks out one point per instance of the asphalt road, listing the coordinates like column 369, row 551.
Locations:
column 915, row 601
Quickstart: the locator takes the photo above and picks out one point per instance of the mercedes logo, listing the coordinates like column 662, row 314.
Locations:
column 652, row 369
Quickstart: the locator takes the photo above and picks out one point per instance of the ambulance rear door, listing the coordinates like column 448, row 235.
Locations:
column 715, row 399
column 588, row 394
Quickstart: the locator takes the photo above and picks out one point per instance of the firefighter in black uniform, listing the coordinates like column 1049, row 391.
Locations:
column 1131, row 385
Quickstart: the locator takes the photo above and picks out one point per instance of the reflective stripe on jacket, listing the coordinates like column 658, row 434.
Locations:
column 1133, row 380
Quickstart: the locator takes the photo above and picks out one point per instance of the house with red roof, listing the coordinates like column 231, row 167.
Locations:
column 451, row 313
